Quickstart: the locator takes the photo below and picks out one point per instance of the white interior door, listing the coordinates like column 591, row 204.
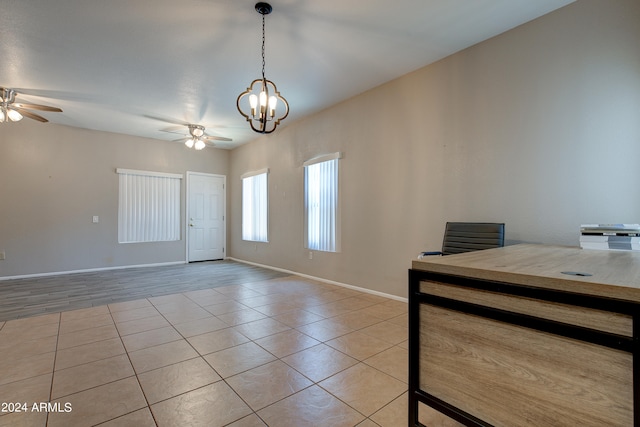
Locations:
column 206, row 217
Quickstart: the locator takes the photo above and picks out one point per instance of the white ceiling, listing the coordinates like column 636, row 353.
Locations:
column 140, row 67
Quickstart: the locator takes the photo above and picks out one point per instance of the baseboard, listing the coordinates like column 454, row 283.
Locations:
column 320, row 279
column 89, row 270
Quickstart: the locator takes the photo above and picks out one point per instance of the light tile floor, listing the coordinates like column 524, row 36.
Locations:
column 281, row 352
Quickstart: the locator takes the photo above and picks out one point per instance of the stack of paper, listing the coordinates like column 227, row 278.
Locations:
column 622, row 237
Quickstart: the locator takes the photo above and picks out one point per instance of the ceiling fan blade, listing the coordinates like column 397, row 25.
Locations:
column 175, row 129
column 167, row 120
column 208, row 143
column 31, row 115
column 216, row 138
column 195, row 131
column 37, row 107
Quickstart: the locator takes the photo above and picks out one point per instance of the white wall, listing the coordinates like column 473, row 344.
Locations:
column 54, row 179
column 538, row 128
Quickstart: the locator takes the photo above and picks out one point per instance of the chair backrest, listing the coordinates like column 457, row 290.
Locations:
column 462, row 237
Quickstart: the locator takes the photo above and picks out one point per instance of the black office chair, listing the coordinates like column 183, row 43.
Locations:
column 462, row 237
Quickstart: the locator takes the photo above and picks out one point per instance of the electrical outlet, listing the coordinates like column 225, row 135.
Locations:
column 310, row 255
column 96, row 219
column 2, row 255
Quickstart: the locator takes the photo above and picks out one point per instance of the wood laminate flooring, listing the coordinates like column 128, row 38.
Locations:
column 28, row 297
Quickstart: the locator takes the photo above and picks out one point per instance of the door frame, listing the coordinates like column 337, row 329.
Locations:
column 187, row 208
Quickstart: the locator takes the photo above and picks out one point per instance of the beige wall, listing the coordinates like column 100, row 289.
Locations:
column 538, row 128
column 54, row 179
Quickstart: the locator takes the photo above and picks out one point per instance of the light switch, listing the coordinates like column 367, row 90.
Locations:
column 96, row 219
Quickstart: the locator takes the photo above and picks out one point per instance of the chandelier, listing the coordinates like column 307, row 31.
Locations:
column 261, row 104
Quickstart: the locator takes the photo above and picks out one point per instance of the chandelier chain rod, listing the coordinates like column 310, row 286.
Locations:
column 263, row 39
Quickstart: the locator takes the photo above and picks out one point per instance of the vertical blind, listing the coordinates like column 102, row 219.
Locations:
column 321, row 203
column 148, row 206
column 255, row 206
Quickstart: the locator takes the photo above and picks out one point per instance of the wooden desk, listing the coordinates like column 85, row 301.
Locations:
column 503, row 338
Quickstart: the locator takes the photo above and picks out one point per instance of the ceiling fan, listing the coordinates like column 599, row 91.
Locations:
column 198, row 139
column 13, row 111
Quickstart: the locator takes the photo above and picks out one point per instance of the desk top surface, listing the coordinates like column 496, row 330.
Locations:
column 613, row 274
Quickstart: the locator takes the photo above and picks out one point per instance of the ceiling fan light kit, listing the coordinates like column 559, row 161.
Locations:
column 8, row 114
column 198, row 139
column 195, row 141
column 12, row 111
column 7, row 110
column 261, row 104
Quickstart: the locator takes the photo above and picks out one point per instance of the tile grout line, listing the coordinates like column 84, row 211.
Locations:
column 86, row 363
column 317, row 383
column 53, row 368
column 135, row 373
column 200, row 356
column 255, row 412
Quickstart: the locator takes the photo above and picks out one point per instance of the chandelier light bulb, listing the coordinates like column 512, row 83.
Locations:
column 263, row 99
column 253, row 102
column 2, row 115
column 190, row 142
column 273, row 102
column 263, row 104
column 199, row 145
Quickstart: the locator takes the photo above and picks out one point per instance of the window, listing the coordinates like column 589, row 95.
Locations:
column 255, row 206
column 322, row 218
column 148, row 206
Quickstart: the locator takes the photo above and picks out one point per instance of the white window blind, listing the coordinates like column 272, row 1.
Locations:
column 148, row 206
column 255, row 206
column 322, row 218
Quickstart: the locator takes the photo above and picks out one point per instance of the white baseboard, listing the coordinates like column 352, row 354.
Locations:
column 320, row 279
column 90, row 270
